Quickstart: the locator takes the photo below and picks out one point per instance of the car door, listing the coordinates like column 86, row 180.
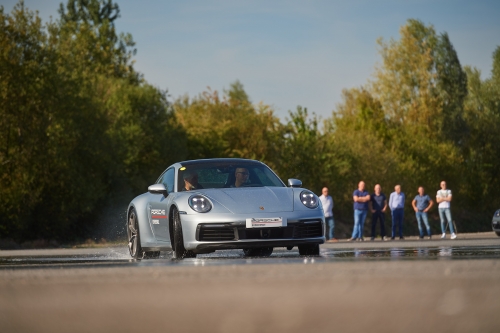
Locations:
column 158, row 207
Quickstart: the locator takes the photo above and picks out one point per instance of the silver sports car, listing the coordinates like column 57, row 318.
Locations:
column 202, row 206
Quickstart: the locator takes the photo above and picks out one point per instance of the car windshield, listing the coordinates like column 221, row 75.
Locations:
column 194, row 176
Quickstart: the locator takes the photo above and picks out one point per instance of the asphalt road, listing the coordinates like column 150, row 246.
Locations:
column 401, row 286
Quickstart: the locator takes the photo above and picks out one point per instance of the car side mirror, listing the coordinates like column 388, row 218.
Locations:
column 158, row 189
column 294, row 182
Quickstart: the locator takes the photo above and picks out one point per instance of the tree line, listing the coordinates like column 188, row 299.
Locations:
column 81, row 130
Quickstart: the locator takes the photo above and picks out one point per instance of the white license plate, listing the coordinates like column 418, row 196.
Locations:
column 268, row 222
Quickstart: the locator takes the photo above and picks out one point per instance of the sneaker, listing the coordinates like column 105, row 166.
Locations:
column 429, row 237
column 443, row 236
column 401, row 238
column 385, row 238
column 453, row 236
column 351, row 239
column 392, row 238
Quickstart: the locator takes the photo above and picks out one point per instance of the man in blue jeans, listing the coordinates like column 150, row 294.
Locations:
column 327, row 203
column 421, row 205
column 397, row 205
column 443, row 198
column 361, row 199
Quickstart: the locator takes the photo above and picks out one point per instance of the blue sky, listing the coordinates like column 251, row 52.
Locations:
column 285, row 53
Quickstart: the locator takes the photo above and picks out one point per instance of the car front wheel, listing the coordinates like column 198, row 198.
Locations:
column 179, row 251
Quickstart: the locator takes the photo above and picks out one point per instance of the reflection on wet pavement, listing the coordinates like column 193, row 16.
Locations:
column 235, row 257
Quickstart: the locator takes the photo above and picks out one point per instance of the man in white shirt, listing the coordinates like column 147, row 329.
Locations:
column 443, row 198
column 327, row 203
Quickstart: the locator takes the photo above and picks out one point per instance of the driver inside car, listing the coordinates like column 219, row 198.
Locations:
column 241, row 177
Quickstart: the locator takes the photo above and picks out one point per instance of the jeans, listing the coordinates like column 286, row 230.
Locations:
column 378, row 216
column 423, row 216
column 397, row 220
column 331, row 224
column 442, row 213
column 359, row 223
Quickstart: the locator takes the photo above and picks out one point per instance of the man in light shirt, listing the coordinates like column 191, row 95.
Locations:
column 397, row 205
column 443, row 198
column 327, row 203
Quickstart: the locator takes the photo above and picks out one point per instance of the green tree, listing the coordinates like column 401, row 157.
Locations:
column 86, row 36
column 229, row 126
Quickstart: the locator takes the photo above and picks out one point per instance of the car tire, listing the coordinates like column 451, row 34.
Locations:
column 179, row 251
column 309, row 250
column 258, row 252
column 498, row 233
column 134, row 239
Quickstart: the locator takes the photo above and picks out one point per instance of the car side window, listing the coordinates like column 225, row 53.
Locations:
column 169, row 179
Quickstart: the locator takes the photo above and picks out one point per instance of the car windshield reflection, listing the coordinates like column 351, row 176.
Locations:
column 226, row 175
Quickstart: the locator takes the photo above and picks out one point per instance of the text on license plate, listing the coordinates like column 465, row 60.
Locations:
column 268, row 222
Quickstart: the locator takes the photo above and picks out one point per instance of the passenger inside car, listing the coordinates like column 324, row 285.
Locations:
column 191, row 181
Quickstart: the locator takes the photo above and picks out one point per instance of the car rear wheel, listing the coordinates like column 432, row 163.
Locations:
column 258, row 252
column 134, row 239
column 180, row 251
column 309, row 250
column 498, row 233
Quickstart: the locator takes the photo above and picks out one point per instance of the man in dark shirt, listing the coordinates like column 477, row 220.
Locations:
column 360, row 198
column 421, row 205
column 378, row 206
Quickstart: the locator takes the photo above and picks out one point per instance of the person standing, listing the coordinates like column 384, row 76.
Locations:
column 443, row 198
column 421, row 205
column 397, row 205
column 361, row 198
column 327, row 203
column 378, row 206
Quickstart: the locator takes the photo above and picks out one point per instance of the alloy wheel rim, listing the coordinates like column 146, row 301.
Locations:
column 132, row 231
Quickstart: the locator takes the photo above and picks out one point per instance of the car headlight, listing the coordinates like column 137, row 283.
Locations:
column 199, row 203
column 309, row 199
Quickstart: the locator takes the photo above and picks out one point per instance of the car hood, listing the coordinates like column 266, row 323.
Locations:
column 253, row 199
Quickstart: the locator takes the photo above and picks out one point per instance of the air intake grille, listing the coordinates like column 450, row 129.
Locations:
column 216, row 234
column 307, row 230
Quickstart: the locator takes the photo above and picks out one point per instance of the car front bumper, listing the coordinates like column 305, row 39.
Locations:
column 207, row 247
column 207, row 233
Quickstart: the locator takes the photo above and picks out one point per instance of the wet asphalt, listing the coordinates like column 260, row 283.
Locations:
column 399, row 286
column 468, row 246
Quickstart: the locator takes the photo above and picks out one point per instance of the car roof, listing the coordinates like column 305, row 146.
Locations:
column 220, row 160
